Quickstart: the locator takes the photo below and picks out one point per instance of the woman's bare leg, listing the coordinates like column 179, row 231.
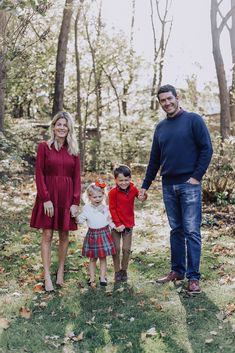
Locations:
column 47, row 235
column 63, row 248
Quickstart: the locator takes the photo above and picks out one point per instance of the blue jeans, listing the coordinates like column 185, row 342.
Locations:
column 183, row 208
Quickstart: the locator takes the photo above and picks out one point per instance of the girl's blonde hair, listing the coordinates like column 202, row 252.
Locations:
column 90, row 190
column 70, row 138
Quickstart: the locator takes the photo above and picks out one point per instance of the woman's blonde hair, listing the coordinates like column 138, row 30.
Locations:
column 70, row 138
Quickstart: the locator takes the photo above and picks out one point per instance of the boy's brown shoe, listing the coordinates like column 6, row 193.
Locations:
column 170, row 277
column 118, row 276
column 193, row 286
column 124, row 275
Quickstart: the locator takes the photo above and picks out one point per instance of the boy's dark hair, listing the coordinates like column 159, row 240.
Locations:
column 167, row 88
column 122, row 169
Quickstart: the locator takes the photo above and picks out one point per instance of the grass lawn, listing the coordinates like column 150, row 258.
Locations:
column 138, row 316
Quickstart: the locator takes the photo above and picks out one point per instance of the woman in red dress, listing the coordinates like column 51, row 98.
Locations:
column 58, row 191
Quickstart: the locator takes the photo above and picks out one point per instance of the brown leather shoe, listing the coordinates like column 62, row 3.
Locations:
column 193, row 286
column 124, row 275
column 118, row 276
column 170, row 277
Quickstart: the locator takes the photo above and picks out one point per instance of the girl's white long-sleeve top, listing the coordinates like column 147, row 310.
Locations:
column 96, row 217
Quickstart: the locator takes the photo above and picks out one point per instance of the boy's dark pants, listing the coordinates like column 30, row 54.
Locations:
column 126, row 236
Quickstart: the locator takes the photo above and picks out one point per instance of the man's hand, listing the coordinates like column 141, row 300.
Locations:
column 74, row 210
column 142, row 195
column 48, row 208
column 193, row 181
column 120, row 228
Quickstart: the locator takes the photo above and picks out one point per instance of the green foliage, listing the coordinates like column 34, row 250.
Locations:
column 11, row 5
column 219, row 182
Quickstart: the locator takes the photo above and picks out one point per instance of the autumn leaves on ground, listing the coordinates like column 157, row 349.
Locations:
column 139, row 316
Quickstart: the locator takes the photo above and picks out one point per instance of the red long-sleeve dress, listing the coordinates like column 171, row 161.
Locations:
column 57, row 180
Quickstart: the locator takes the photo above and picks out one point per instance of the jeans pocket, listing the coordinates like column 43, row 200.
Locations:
column 193, row 184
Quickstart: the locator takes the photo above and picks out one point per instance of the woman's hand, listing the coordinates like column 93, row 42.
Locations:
column 48, row 208
column 74, row 210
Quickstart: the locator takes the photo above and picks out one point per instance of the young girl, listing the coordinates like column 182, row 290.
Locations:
column 98, row 242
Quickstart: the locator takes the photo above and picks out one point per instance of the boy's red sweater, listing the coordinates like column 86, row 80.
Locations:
column 121, row 206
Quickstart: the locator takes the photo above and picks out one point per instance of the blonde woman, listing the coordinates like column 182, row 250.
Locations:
column 58, row 192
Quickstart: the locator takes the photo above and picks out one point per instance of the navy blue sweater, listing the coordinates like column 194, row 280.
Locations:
column 181, row 149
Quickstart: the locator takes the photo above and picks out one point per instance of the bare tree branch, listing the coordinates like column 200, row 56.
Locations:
column 225, row 19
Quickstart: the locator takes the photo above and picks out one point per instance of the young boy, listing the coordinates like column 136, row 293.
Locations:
column 121, row 206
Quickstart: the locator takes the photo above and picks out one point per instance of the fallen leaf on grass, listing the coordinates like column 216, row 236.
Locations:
column 39, row 276
column 73, row 337
column 209, row 340
column 132, row 319
column 54, row 337
column 221, row 316
column 151, row 332
column 162, row 334
column 80, row 337
column 38, row 288
column 120, row 315
column 225, row 280
column 16, row 294
column 4, row 323
column 156, row 304
column 91, row 322
column 109, row 293
column 230, row 308
column 153, row 300
column 24, row 257
column 213, row 333
column 141, row 303
column 50, row 341
column 26, row 239
column 120, row 290
column 25, row 312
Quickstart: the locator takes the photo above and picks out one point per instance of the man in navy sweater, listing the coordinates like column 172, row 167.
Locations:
column 182, row 150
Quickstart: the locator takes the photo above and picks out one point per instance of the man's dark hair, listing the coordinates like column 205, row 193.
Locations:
column 122, row 169
column 167, row 88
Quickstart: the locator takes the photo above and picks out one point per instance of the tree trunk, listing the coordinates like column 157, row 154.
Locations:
column 219, row 65
column 232, row 90
column 78, row 113
column 127, row 84
column 97, row 72
column 61, row 57
column 3, row 21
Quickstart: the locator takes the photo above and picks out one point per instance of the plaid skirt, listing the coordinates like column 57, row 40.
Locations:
column 98, row 243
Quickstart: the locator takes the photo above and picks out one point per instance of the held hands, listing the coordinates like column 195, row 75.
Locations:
column 74, row 210
column 48, row 208
column 120, row 228
column 142, row 195
column 193, row 181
